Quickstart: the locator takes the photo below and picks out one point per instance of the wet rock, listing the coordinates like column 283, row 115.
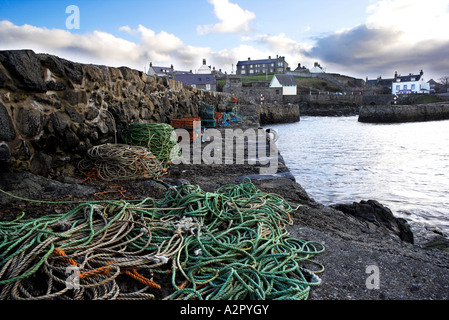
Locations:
column 30, row 122
column 25, row 69
column 7, row 132
column 27, row 185
column 5, row 157
column 377, row 215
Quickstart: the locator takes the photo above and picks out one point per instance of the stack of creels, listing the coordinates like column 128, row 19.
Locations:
column 111, row 162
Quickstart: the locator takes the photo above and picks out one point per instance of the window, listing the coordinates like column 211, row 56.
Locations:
column 398, row 87
column 207, row 86
column 251, row 71
column 405, row 87
column 280, row 64
column 243, row 72
column 277, row 91
column 413, row 87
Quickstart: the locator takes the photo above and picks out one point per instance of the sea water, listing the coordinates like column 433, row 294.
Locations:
column 404, row 166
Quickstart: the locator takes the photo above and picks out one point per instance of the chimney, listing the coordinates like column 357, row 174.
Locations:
column 299, row 65
column 204, row 62
column 249, row 59
column 269, row 57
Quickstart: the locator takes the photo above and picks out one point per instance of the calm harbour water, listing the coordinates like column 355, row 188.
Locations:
column 403, row 166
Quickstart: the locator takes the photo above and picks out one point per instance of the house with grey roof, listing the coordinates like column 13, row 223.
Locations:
column 285, row 82
column 412, row 83
column 199, row 81
column 160, row 71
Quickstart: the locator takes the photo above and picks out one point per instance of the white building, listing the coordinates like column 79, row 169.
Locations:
column 317, row 68
column 286, row 82
column 410, row 84
column 204, row 69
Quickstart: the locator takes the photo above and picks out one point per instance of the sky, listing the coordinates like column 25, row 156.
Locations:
column 358, row 38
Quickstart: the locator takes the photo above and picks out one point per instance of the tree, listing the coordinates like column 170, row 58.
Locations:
column 444, row 80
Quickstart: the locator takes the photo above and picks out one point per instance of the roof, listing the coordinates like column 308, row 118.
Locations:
column 162, row 69
column 408, row 78
column 286, row 80
column 248, row 62
column 195, row 78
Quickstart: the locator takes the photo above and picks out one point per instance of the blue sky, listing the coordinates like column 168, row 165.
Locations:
column 359, row 38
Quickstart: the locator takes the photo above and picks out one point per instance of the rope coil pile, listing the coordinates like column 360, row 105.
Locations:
column 231, row 244
column 111, row 162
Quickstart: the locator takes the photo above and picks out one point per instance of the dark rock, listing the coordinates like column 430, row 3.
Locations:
column 55, row 86
column 91, row 113
column 60, row 121
column 439, row 242
column 3, row 79
column 373, row 212
column 25, row 69
column 5, row 157
column 74, row 114
column 31, row 186
column 29, row 121
column 7, row 132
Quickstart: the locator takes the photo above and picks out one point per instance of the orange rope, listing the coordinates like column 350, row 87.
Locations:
column 104, row 269
column 118, row 189
column 61, row 253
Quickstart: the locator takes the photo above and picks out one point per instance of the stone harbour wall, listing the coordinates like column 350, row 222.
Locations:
column 53, row 110
column 404, row 113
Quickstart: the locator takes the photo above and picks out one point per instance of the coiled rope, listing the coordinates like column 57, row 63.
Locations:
column 191, row 244
column 159, row 138
column 111, row 162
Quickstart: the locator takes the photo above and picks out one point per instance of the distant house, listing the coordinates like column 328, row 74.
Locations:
column 301, row 69
column 204, row 69
column 199, row 81
column 160, row 71
column 317, row 68
column 286, row 82
column 410, row 84
column 379, row 85
column 434, row 86
column 253, row 67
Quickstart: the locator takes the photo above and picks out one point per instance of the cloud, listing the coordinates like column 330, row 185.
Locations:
column 294, row 51
column 104, row 48
column 233, row 19
column 398, row 35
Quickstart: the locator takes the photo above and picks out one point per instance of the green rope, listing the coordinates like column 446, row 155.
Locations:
column 159, row 138
column 229, row 244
